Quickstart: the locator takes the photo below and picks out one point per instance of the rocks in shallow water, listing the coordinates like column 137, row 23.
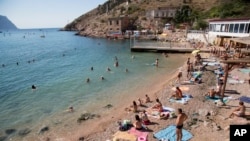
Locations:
column 10, row 131
column 24, row 132
column 43, row 129
column 3, row 138
column 86, row 116
column 108, row 106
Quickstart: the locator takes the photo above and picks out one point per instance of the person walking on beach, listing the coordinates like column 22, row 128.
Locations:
column 189, row 70
column 179, row 75
column 179, row 123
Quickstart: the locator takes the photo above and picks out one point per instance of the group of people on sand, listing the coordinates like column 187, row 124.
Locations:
column 240, row 111
column 142, row 121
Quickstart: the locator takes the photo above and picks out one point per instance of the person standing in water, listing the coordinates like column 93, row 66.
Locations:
column 157, row 62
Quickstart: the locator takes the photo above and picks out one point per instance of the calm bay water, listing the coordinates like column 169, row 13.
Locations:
column 59, row 65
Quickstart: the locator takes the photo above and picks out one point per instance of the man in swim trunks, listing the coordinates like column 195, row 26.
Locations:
column 179, row 123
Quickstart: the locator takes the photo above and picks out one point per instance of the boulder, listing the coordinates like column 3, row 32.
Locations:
column 10, row 131
column 24, row 132
column 3, row 138
column 43, row 129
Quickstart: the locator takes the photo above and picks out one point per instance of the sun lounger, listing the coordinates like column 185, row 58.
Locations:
column 169, row 134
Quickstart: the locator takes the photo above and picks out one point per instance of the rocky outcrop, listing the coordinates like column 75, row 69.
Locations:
column 95, row 22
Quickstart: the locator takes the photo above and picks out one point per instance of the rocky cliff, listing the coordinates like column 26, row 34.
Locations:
column 95, row 22
column 6, row 24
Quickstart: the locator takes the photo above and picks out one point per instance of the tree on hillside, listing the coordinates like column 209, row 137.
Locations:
column 183, row 15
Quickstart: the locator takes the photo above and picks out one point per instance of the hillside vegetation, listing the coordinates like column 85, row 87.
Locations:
column 193, row 12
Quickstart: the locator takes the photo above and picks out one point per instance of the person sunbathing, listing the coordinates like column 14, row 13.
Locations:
column 158, row 106
column 178, row 94
column 147, row 99
column 140, row 102
column 144, row 118
column 138, row 124
column 133, row 107
column 240, row 111
column 211, row 93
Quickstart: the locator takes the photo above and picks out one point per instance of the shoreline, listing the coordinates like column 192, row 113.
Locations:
column 98, row 125
column 215, row 125
column 104, row 127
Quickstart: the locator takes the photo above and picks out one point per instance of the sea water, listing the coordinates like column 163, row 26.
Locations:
column 58, row 64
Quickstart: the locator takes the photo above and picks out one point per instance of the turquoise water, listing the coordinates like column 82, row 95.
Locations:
column 59, row 64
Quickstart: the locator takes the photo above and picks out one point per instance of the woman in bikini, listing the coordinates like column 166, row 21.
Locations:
column 138, row 124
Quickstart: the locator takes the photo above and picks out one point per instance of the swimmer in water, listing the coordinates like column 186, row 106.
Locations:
column 102, row 78
column 108, row 69
column 33, row 87
column 92, row 68
column 116, row 64
column 88, row 80
column 126, row 70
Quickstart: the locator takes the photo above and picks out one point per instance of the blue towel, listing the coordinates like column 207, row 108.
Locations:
column 245, row 99
column 216, row 98
column 245, row 70
column 169, row 134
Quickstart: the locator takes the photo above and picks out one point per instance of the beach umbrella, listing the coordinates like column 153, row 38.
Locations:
column 183, row 88
column 195, row 51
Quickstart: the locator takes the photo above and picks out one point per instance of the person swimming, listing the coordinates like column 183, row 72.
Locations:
column 92, row 68
column 108, row 69
column 116, row 64
column 102, row 78
column 88, row 80
column 33, row 87
column 126, row 70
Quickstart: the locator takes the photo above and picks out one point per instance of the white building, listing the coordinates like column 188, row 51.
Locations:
column 220, row 30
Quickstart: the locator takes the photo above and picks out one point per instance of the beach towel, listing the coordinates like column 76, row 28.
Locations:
column 245, row 70
column 245, row 99
column 156, row 114
column 141, row 135
column 217, row 99
column 124, row 136
column 211, row 63
column 218, row 72
column 183, row 100
column 168, row 134
column 233, row 81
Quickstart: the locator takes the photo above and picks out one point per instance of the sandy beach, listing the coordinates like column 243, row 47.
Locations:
column 207, row 121
column 214, row 126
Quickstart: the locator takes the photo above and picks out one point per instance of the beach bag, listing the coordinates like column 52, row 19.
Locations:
column 125, row 125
